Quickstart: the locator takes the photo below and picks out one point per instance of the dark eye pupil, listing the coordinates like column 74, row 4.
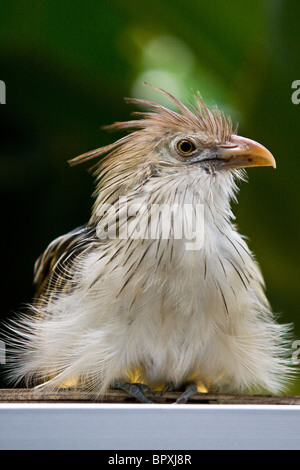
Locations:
column 185, row 146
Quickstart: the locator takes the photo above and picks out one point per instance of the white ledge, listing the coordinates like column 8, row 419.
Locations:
column 143, row 427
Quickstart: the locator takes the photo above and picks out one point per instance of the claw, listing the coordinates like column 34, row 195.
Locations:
column 190, row 390
column 144, row 388
column 168, row 388
column 136, row 390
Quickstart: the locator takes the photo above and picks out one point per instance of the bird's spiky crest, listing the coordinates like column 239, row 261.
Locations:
column 212, row 123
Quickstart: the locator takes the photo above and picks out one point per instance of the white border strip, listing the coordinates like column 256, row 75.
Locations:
column 148, row 427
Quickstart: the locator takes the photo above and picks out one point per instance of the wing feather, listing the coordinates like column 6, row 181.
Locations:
column 54, row 267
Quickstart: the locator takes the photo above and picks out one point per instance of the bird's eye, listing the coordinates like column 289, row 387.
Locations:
column 185, row 146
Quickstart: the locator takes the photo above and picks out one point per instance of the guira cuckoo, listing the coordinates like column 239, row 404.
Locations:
column 131, row 300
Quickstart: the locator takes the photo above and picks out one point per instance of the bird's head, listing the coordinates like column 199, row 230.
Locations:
column 162, row 141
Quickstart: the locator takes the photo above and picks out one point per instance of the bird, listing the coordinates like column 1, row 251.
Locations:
column 159, row 290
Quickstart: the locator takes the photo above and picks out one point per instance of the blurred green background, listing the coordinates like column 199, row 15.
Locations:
column 67, row 66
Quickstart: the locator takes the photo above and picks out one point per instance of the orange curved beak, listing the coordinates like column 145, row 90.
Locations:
column 243, row 153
